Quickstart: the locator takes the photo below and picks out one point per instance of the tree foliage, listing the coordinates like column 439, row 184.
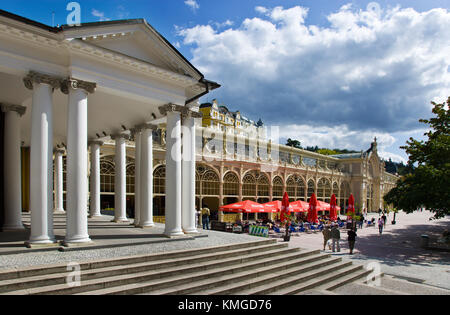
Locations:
column 428, row 183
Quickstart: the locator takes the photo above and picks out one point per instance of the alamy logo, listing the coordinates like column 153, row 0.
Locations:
column 73, row 279
column 74, row 17
column 374, row 278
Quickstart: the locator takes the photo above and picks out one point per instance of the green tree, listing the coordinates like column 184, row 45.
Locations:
column 294, row 143
column 428, row 183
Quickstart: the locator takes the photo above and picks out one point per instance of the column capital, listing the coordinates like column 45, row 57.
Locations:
column 170, row 108
column 120, row 136
column 143, row 127
column 13, row 108
column 41, row 78
column 96, row 142
column 67, row 84
column 183, row 110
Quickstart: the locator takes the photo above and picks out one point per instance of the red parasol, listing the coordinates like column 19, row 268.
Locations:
column 312, row 213
column 246, row 206
column 351, row 204
column 333, row 210
column 285, row 207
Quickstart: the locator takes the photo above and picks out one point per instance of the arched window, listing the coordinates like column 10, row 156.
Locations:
column 210, row 184
column 291, row 187
column 107, row 173
column 249, row 185
column 263, row 186
column 159, row 180
column 231, row 184
column 336, row 190
column 130, row 178
column 277, row 187
column 301, row 189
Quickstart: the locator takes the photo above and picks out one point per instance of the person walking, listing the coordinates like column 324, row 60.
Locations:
column 335, row 236
column 361, row 221
column 380, row 225
column 351, row 240
column 326, row 237
column 205, row 218
column 384, row 219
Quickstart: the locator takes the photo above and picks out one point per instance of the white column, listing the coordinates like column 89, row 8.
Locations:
column 59, row 207
column 77, row 164
column 12, row 168
column 95, row 208
column 146, row 177
column 173, row 173
column 188, row 176
column 137, row 175
column 41, row 165
column 120, row 198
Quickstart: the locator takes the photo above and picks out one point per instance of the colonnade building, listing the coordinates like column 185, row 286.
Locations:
column 66, row 90
column 105, row 117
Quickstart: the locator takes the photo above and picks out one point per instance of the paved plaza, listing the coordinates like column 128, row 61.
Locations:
column 407, row 267
column 398, row 249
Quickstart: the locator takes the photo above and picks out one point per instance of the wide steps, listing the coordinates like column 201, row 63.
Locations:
column 270, row 279
column 246, row 269
column 224, row 283
column 89, row 265
column 138, row 267
column 254, row 268
column 125, row 278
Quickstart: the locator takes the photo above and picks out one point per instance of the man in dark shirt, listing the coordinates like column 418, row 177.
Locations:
column 351, row 240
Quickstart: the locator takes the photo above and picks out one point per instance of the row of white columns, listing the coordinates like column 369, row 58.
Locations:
column 41, row 159
column 180, row 163
column 180, row 170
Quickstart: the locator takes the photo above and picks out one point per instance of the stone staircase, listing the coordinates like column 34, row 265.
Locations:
column 256, row 268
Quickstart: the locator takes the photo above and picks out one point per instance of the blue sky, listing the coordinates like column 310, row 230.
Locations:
column 333, row 73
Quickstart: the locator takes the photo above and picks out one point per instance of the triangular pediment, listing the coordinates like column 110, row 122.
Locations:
column 135, row 39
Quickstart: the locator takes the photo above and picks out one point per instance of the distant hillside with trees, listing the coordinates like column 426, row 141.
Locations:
column 297, row 144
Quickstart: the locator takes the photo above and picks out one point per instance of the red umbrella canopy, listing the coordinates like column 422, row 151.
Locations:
column 333, row 210
column 312, row 213
column 246, row 206
column 273, row 206
column 285, row 207
column 322, row 206
column 299, row 206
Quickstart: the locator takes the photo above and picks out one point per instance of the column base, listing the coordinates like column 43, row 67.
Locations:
column 191, row 231
column 146, row 225
column 96, row 216
column 124, row 220
column 171, row 234
column 59, row 211
column 77, row 243
column 41, row 243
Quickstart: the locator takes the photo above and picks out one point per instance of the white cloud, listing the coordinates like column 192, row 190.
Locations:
column 368, row 70
column 100, row 15
column 367, row 73
column 192, row 4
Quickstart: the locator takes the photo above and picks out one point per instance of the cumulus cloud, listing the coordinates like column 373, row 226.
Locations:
column 192, row 4
column 368, row 70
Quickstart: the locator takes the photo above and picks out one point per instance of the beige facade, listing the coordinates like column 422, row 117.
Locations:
column 224, row 177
